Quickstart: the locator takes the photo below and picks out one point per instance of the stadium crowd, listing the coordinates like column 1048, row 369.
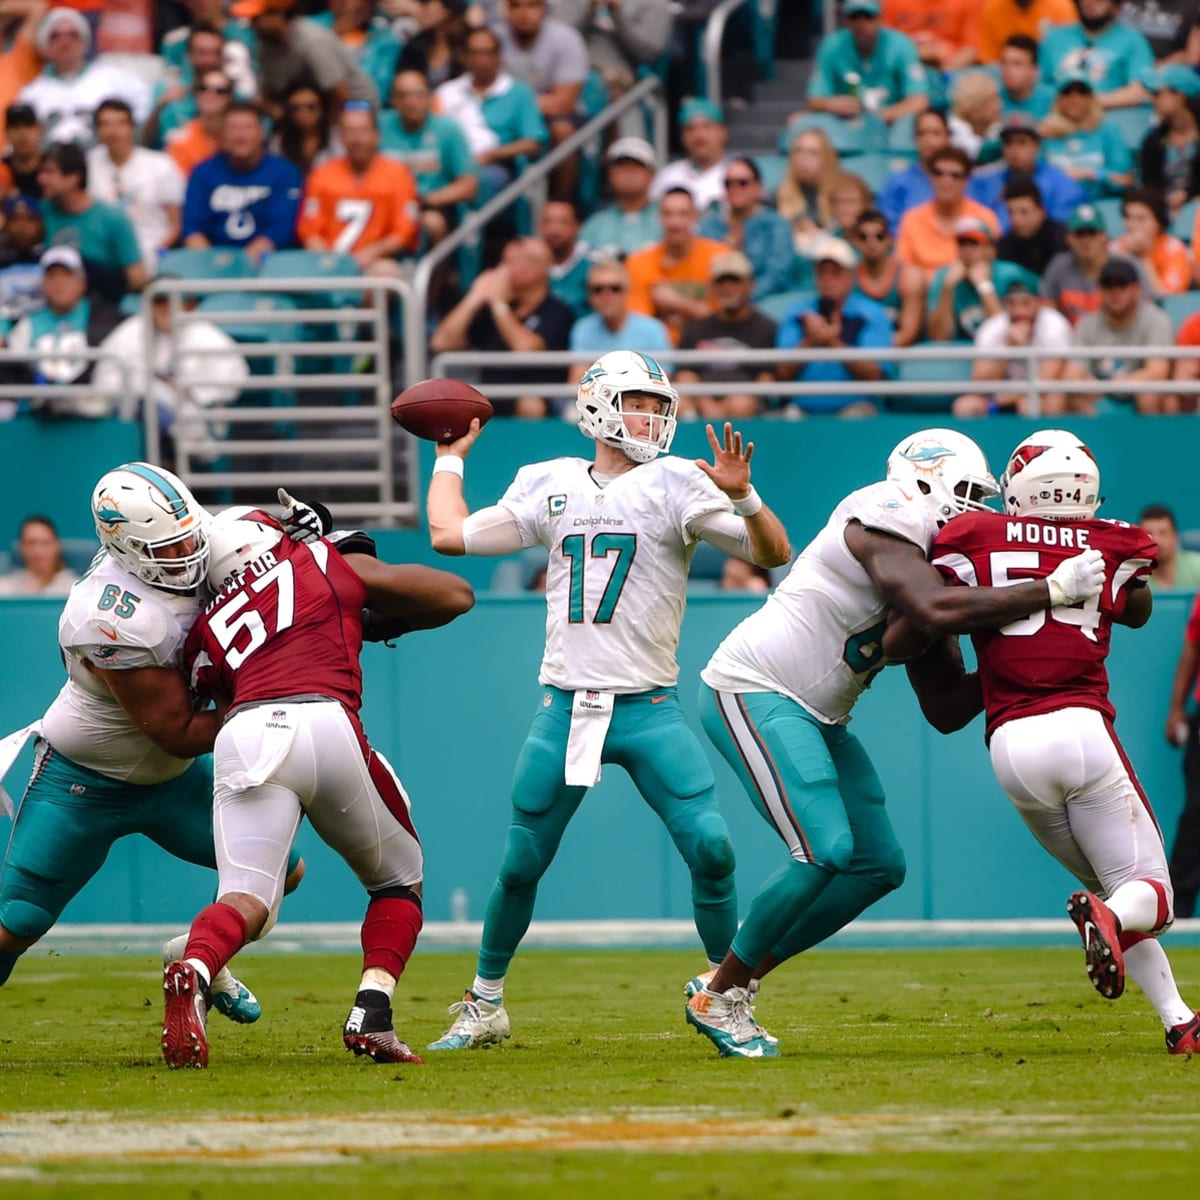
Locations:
column 1018, row 174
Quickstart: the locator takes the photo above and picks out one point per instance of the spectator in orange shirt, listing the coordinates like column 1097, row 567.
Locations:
column 670, row 279
column 926, row 237
column 1001, row 19
column 1163, row 258
column 1187, row 370
column 945, row 31
column 200, row 138
column 364, row 204
column 19, row 59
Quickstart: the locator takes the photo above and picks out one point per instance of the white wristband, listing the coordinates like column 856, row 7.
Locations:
column 986, row 288
column 749, row 504
column 448, row 464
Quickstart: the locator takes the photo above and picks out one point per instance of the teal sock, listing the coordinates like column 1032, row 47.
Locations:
column 844, row 899
column 781, row 901
column 509, row 911
column 714, row 909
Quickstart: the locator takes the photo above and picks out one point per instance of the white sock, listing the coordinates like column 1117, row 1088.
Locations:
column 491, row 990
column 1135, row 905
column 1146, row 964
column 201, row 970
column 174, row 949
column 374, row 979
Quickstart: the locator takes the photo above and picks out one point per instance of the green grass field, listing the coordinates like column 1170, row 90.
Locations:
column 905, row 1073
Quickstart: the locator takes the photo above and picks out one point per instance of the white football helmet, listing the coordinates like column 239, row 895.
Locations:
column 1051, row 474
column 607, row 380
column 236, row 537
column 142, row 511
column 947, row 468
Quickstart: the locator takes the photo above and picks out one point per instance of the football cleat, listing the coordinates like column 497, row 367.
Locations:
column 184, row 1036
column 477, row 1023
column 727, row 1020
column 233, row 999
column 698, row 983
column 369, row 1031
column 1185, row 1039
column 1101, row 936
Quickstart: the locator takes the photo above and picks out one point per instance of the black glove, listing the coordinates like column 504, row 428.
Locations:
column 353, row 541
column 303, row 522
column 378, row 628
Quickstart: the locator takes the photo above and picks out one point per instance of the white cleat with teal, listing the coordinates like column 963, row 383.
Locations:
column 698, row 983
column 476, row 1023
column 727, row 1020
column 233, row 999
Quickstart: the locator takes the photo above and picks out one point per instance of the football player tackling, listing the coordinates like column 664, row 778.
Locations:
column 621, row 531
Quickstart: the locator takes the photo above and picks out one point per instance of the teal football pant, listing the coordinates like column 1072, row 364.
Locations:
column 817, row 788
column 650, row 738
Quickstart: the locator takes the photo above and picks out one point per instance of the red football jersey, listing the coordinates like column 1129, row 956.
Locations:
column 1052, row 659
column 291, row 627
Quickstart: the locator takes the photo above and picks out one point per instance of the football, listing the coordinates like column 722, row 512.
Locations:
column 440, row 410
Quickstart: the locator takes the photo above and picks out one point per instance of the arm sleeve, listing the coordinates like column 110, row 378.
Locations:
column 493, row 531
column 532, row 123
column 725, row 530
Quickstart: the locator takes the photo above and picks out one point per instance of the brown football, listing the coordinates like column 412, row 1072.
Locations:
column 440, row 410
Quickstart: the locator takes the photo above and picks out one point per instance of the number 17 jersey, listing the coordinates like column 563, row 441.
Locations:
column 1051, row 659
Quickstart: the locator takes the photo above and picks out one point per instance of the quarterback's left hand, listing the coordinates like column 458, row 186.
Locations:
column 303, row 522
column 730, row 469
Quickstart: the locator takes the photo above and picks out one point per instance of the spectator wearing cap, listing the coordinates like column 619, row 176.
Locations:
column 927, row 235
column 1164, row 261
column 733, row 326
column 102, row 233
column 145, row 184
column 702, row 170
column 1124, row 319
column 913, row 185
column 611, row 325
column 550, row 57
column 1071, row 281
column 1000, row 21
column 498, row 114
column 19, row 60
column 746, row 223
column 837, row 318
column 434, row 149
column 1033, row 238
column 631, row 221
column 21, row 247
column 965, row 293
column 1078, row 140
column 19, row 167
column 1109, row 52
column 1021, row 146
column 1022, row 88
column 242, row 196
column 558, row 227
column 295, row 49
column 67, row 319
column 880, row 276
column 1023, row 322
column 1169, row 159
column 945, row 32
column 69, row 87
column 670, row 280
column 438, row 47
column 867, row 68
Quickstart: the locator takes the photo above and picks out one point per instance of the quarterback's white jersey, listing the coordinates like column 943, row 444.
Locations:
column 818, row 639
column 616, row 582
column 115, row 622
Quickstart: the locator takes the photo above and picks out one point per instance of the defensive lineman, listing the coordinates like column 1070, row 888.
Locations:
column 621, row 531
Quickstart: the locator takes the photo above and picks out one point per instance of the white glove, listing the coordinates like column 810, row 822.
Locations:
column 302, row 522
column 1078, row 578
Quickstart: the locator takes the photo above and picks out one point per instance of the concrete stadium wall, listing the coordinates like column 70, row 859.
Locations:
column 451, row 707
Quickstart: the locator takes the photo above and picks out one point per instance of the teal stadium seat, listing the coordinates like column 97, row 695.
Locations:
column 1131, row 123
column 1110, row 209
column 1180, row 306
column 771, row 167
column 872, row 169
column 1184, row 221
column 213, row 262
column 930, row 370
column 862, row 135
column 902, row 138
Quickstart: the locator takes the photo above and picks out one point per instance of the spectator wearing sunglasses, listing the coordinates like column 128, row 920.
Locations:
column 200, row 138
column 174, row 102
column 746, row 223
column 611, row 325
column 898, row 288
column 1079, row 141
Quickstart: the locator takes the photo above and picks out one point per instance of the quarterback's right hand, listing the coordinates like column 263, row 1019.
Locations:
column 461, row 447
column 1078, row 578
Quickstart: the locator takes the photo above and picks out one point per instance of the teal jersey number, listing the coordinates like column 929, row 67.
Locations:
column 863, row 652
column 121, row 602
column 624, row 546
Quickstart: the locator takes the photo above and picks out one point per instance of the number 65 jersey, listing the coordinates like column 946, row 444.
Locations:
column 1052, row 659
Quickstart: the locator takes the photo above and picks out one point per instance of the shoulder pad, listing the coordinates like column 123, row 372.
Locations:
column 352, row 541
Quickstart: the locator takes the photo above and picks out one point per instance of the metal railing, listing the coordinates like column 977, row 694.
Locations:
column 531, row 182
column 64, row 391
column 710, row 47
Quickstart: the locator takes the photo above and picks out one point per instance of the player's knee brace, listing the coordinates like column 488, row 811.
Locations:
column 525, row 861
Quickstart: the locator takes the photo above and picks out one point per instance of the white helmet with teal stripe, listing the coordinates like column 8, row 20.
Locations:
column 606, row 382
column 152, row 526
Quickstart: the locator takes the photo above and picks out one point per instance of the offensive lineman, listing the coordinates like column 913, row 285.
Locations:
column 779, row 690
column 119, row 750
column 1044, row 687
column 615, row 597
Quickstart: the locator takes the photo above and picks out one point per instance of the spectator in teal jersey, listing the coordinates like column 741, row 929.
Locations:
column 239, row 50
column 1022, row 88
column 899, row 288
column 68, row 322
column 558, row 227
column 964, row 294
column 866, row 68
column 367, row 36
column 434, row 149
column 1111, row 54
column 173, row 102
column 746, row 223
column 611, row 325
column 1077, row 139
column 631, row 221
column 100, row 232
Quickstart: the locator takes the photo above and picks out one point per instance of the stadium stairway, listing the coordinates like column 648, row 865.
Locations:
column 755, row 129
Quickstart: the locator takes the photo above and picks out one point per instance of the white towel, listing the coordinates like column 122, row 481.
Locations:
column 279, row 731
column 591, row 715
column 10, row 748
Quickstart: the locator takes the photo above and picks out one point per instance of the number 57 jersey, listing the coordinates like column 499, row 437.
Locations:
column 1052, row 659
